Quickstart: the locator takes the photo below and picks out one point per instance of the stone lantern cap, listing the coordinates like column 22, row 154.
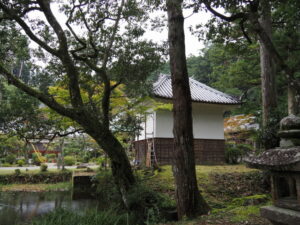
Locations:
column 290, row 128
column 290, row 122
column 280, row 159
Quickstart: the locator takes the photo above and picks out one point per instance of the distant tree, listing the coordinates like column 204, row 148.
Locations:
column 247, row 16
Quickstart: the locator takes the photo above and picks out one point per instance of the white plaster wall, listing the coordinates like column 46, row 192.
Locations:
column 207, row 122
column 149, row 124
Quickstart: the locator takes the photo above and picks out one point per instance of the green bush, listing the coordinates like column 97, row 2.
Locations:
column 6, row 165
column 38, row 160
column 10, row 159
column 69, row 160
column 17, row 172
column 43, row 167
column 50, row 157
column 234, row 153
column 63, row 217
column 146, row 205
column 35, row 178
column 21, row 162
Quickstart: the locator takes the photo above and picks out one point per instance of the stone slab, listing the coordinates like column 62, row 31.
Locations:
column 280, row 216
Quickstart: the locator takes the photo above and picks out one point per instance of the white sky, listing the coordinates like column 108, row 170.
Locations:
column 193, row 45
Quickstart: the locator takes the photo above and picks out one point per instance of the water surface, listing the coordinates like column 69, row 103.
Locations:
column 19, row 207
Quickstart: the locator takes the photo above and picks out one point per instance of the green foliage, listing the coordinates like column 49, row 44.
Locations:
column 69, row 160
column 21, row 162
column 50, row 157
column 9, row 143
column 6, row 165
column 64, row 216
column 38, row 160
column 17, row 172
column 43, row 167
column 35, row 178
column 145, row 204
column 234, row 153
column 148, row 205
column 267, row 137
column 11, row 159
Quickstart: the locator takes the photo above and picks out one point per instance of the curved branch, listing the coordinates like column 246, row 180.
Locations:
column 112, row 39
column 64, row 56
column 12, row 15
column 45, row 6
column 223, row 17
column 47, row 100
column 243, row 30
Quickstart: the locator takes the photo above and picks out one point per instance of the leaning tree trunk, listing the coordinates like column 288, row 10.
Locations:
column 269, row 97
column 189, row 201
column 120, row 165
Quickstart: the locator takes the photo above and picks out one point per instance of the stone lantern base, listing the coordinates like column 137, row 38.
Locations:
column 280, row 216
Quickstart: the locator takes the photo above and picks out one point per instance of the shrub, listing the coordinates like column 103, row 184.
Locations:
column 20, row 162
column 10, row 159
column 43, row 167
column 17, row 172
column 234, row 153
column 6, row 165
column 38, row 160
column 34, row 178
column 50, row 157
column 69, row 160
column 63, row 216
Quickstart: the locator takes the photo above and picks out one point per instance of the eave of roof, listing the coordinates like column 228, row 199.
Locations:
column 199, row 92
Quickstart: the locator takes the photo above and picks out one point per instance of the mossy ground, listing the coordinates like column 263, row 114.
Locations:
column 230, row 191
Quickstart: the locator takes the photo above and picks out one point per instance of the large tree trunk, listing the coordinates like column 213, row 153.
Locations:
column 120, row 165
column 189, row 201
column 269, row 97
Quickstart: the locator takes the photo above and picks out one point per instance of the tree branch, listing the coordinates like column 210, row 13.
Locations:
column 47, row 100
column 12, row 15
column 64, row 56
column 223, row 17
column 112, row 39
column 244, row 32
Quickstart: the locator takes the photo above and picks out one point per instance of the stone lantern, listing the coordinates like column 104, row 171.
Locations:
column 283, row 163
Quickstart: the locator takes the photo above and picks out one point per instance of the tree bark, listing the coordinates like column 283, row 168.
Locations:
column 189, row 201
column 120, row 165
column 269, row 97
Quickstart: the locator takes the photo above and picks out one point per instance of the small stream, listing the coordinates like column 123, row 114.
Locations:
column 24, row 206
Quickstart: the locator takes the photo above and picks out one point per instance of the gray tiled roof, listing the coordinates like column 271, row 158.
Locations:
column 200, row 92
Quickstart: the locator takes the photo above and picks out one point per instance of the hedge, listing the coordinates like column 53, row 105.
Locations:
column 45, row 177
